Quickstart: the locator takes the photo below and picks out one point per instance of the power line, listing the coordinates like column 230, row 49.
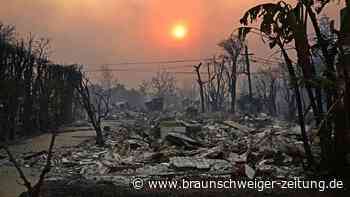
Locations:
column 254, row 58
column 141, row 71
column 154, row 62
column 174, row 61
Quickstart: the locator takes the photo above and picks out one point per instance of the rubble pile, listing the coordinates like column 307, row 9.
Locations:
column 139, row 145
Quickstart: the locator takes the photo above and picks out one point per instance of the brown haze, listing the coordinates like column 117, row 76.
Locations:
column 95, row 32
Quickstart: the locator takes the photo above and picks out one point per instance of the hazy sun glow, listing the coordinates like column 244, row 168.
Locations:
column 179, row 31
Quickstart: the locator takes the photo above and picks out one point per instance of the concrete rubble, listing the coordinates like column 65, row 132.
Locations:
column 138, row 144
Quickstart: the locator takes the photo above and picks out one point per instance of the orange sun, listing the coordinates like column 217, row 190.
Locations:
column 179, row 31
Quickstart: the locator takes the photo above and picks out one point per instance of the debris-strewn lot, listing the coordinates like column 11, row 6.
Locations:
column 159, row 146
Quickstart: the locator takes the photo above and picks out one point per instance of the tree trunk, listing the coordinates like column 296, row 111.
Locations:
column 99, row 136
column 298, row 101
column 200, row 84
column 248, row 74
column 233, row 87
column 303, row 53
column 341, row 120
column 326, row 130
column 44, row 112
column 68, row 104
column 28, row 123
column 13, row 105
column 96, row 124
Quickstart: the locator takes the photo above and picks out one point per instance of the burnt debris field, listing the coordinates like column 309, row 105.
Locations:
column 234, row 124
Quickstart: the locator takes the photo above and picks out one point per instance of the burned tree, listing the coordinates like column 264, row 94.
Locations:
column 35, row 93
column 162, row 85
column 216, row 85
column 12, row 72
column 233, row 47
column 274, row 29
column 32, row 190
column 96, row 110
column 342, row 111
column 287, row 94
column 201, row 86
column 289, row 23
column 247, row 71
column 266, row 83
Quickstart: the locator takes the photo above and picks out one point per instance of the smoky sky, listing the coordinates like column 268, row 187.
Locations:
column 96, row 32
